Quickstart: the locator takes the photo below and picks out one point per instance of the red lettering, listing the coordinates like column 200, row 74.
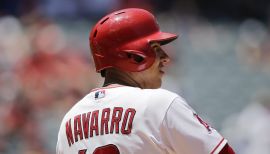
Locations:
column 128, row 117
column 69, row 133
column 203, row 122
column 116, row 118
column 85, row 121
column 105, row 117
column 82, row 123
column 82, row 151
column 94, row 123
column 78, row 127
column 110, row 148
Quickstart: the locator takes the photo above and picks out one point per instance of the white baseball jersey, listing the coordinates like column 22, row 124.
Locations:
column 128, row 120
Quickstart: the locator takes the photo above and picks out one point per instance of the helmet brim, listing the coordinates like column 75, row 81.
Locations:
column 162, row 38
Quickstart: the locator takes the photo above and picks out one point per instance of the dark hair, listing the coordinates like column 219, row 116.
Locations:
column 102, row 73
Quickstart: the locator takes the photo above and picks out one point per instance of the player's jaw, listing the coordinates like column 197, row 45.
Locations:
column 156, row 71
column 163, row 60
column 161, row 67
column 151, row 78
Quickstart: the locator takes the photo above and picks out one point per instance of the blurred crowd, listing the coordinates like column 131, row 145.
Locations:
column 46, row 66
column 42, row 75
column 249, row 130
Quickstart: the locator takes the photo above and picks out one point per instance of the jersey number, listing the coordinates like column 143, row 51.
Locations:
column 106, row 149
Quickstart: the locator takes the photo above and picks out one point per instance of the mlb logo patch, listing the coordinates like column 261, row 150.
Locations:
column 100, row 94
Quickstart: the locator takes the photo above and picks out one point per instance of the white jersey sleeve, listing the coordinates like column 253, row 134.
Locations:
column 187, row 133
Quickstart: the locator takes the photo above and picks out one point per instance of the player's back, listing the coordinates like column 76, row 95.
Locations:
column 116, row 119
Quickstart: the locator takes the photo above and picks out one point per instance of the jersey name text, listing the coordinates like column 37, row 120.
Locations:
column 100, row 122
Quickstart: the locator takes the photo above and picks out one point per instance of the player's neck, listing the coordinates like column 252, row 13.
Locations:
column 116, row 77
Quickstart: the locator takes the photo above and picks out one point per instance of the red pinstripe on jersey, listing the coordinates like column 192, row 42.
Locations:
column 218, row 146
column 108, row 87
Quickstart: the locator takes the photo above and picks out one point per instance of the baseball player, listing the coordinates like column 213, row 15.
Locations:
column 130, row 113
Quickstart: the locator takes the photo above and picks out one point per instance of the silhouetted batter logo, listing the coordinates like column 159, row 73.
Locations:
column 100, row 94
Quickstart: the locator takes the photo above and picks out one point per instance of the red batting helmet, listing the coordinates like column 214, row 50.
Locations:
column 127, row 31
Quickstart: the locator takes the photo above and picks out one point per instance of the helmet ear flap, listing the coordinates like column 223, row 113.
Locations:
column 135, row 56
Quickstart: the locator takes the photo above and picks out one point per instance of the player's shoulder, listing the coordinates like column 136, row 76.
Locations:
column 155, row 104
column 160, row 98
column 136, row 91
column 161, row 93
column 150, row 95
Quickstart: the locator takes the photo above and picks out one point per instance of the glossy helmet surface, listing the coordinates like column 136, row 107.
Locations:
column 123, row 32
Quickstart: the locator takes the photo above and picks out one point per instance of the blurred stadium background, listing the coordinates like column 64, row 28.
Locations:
column 220, row 64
